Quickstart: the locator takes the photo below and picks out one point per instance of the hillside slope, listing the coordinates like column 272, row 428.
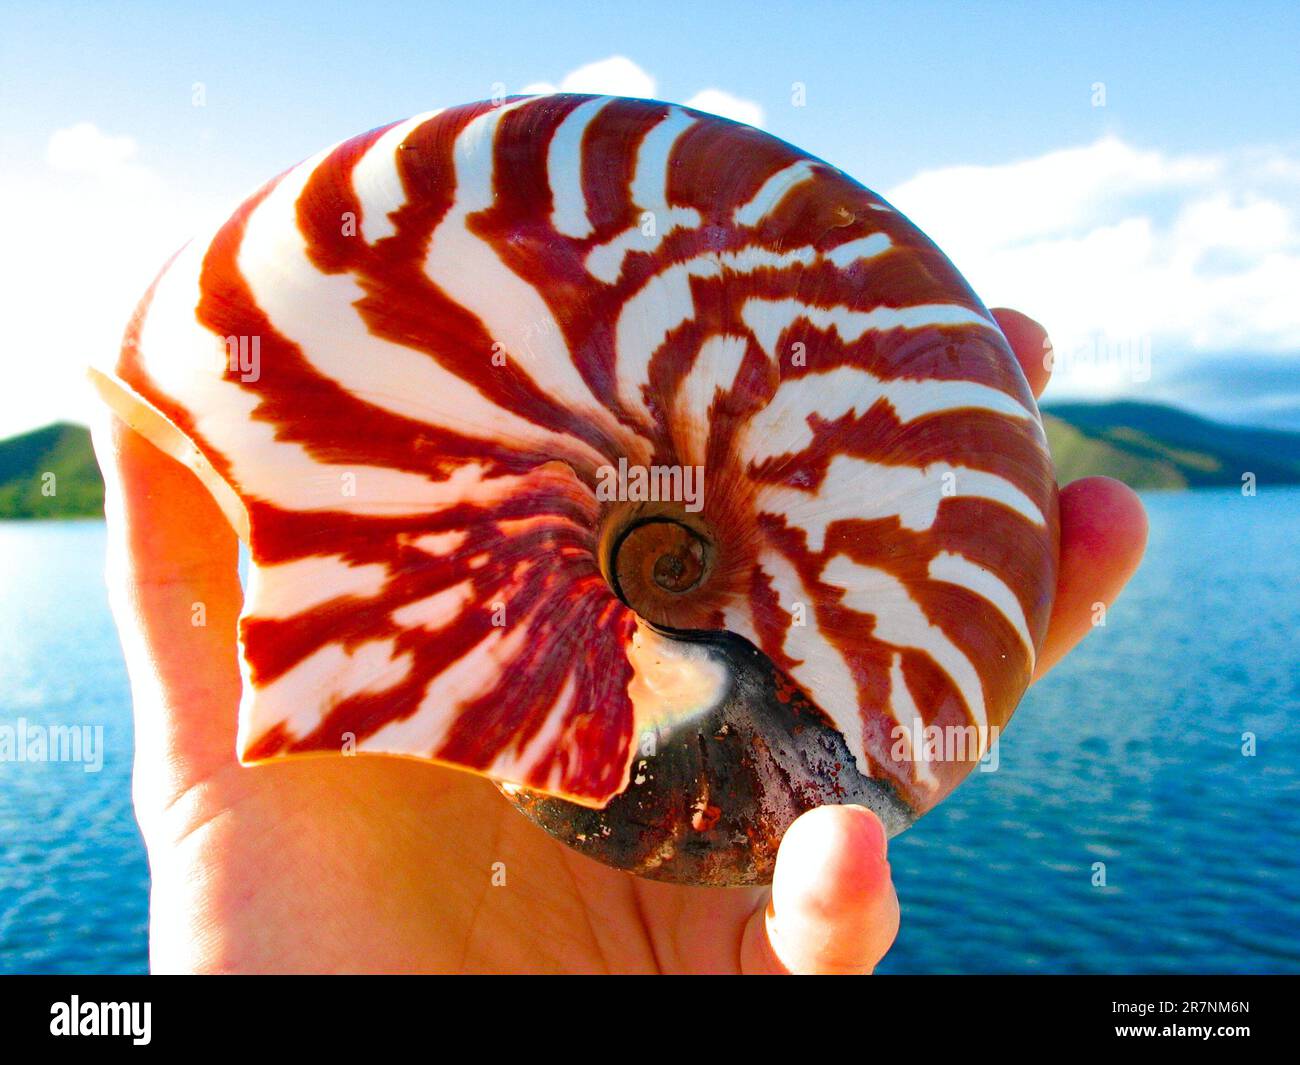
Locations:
column 50, row 473
column 1151, row 446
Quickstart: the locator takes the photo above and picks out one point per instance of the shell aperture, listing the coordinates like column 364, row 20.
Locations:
column 621, row 453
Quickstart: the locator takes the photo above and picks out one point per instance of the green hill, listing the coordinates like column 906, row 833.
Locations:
column 1147, row 445
column 50, row 473
column 1141, row 444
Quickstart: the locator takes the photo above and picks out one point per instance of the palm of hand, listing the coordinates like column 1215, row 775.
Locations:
column 388, row 866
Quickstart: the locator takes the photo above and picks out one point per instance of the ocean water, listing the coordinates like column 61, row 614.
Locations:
column 74, row 884
column 1124, row 829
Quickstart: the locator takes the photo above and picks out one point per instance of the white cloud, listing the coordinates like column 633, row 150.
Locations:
column 1112, row 246
column 615, row 76
column 718, row 102
column 1049, row 195
column 620, row 76
column 92, row 230
column 85, row 149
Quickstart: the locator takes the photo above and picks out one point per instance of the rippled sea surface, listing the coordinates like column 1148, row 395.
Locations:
column 1124, row 829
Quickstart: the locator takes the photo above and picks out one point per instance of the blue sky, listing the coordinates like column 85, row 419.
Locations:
column 1130, row 177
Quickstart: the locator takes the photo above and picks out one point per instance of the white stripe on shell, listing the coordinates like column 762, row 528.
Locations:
column 900, row 622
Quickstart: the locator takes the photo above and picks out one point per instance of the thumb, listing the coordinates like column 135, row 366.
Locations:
column 833, row 907
column 173, row 578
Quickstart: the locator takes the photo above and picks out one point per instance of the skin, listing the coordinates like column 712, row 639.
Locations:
column 388, row 865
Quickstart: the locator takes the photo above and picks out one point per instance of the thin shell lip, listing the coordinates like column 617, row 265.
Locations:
column 152, row 424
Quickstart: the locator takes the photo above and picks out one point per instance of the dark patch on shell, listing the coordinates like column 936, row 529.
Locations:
column 710, row 804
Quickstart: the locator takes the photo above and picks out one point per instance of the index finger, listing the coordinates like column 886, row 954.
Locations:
column 1031, row 344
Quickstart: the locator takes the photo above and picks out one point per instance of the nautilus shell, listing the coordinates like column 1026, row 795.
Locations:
column 623, row 454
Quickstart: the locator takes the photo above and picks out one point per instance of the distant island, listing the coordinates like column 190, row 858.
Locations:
column 52, row 473
column 1148, row 445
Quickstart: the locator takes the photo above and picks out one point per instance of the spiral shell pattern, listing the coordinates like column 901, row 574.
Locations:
column 407, row 368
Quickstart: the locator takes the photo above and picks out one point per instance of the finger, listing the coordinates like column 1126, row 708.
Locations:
column 173, row 579
column 833, row 907
column 1103, row 536
column 1031, row 345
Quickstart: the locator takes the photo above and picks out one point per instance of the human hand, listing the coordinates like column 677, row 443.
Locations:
column 386, row 864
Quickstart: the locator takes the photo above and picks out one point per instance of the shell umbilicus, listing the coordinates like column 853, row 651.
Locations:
column 621, row 453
